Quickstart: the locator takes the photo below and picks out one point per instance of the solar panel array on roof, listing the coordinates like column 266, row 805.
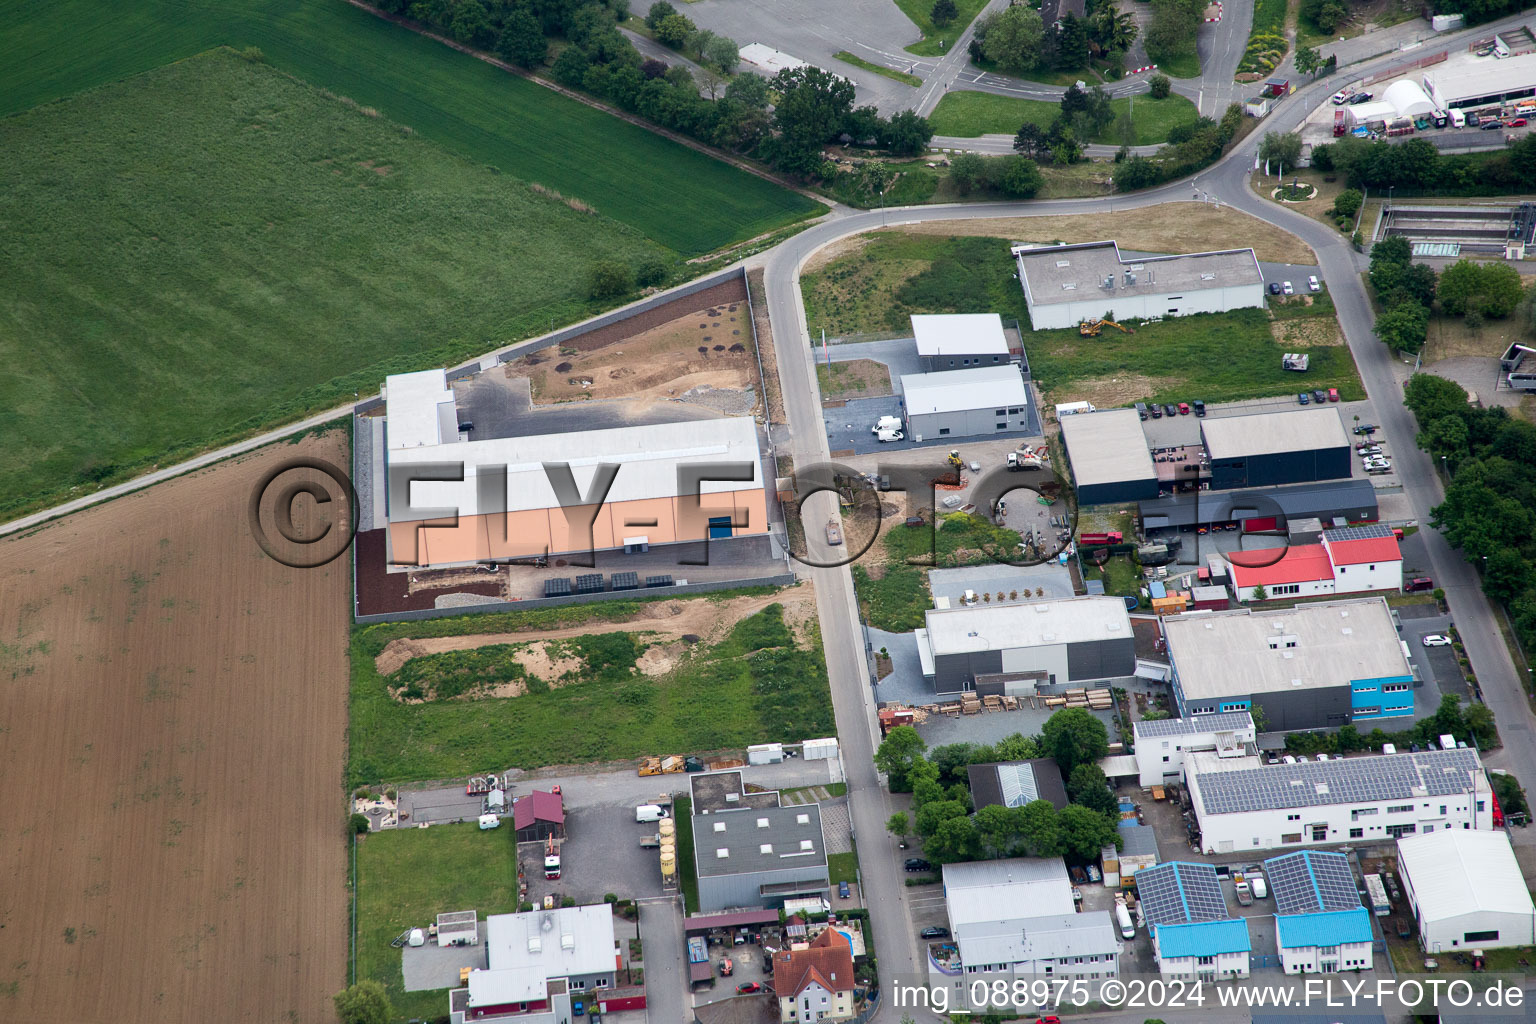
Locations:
column 1370, row 531
column 1355, row 779
column 1180, row 893
column 1226, row 721
column 557, row 587
column 626, row 581
column 1312, row 882
column 589, row 583
column 658, row 581
column 1018, row 784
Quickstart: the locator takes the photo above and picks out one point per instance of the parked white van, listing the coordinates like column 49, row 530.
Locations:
column 648, row 812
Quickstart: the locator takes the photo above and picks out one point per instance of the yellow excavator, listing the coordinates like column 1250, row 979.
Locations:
column 954, row 460
column 1091, row 328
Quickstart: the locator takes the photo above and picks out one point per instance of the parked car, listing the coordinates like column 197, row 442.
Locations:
column 1518, row 122
column 1157, row 411
column 1199, row 407
column 843, row 892
column 1365, row 429
column 1365, row 451
column 1340, row 98
column 1490, row 126
column 934, row 932
column 1274, row 287
column 1472, row 120
column 917, row 864
column 1170, row 409
column 1302, row 398
column 748, row 987
column 1361, row 97
column 1419, row 583
column 1287, row 289
column 1313, row 284
column 1320, row 396
column 1436, row 640
column 1333, row 394
column 1047, row 1020
column 1183, row 408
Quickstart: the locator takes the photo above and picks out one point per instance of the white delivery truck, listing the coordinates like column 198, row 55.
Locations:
column 648, row 812
column 1458, row 119
column 1123, row 918
column 886, row 423
column 888, row 434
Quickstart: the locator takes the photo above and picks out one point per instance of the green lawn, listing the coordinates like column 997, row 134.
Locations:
column 1216, row 357
column 406, row 877
column 1119, row 574
column 755, row 686
column 843, row 867
column 658, row 187
column 879, row 69
column 896, row 601
column 1185, row 65
column 938, row 40
column 968, row 114
column 213, row 247
column 687, row 871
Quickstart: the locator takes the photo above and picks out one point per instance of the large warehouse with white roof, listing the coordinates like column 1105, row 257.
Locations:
column 1066, row 284
column 1466, row 890
column 459, row 501
column 1019, row 647
column 958, row 341
column 966, row 403
column 1109, row 457
column 1487, row 80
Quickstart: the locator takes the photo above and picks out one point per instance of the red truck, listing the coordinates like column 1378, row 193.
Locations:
column 1340, row 124
column 1112, row 537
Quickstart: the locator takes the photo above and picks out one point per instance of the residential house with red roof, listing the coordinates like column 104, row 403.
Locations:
column 1350, row 560
column 816, row 983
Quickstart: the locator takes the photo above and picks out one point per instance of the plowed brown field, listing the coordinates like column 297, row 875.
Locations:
column 172, row 737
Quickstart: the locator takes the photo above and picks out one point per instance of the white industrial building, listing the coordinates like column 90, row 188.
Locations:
column 958, row 341
column 1017, row 916
column 1244, row 805
column 1466, row 891
column 1481, row 81
column 1320, row 926
column 1016, row 649
column 1067, row 284
column 1162, row 744
column 1193, row 936
column 538, row 962
column 1348, row 560
column 966, row 403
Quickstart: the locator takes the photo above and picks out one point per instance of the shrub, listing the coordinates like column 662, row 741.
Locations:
column 1161, row 86
column 610, row 278
column 652, row 271
column 358, row 824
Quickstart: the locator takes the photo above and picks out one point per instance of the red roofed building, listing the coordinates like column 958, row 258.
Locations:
column 816, row 983
column 538, row 816
column 1351, row 560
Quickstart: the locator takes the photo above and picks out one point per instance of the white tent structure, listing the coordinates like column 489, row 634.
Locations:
column 1466, row 890
column 1408, row 98
column 1365, row 113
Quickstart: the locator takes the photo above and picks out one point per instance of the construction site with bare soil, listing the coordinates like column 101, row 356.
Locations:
column 172, row 751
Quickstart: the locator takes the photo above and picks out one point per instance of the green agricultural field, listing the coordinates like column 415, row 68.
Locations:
column 406, row 877
column 968, row 114
column 756, row 685
column 658, row 187
column 213, row 247
column 1216, row 357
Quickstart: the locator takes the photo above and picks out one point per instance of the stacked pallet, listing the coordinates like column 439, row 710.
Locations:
column 970, row 706
column 1010, row 703
column 992, row 703
column 1101, row 700
column 949, row 709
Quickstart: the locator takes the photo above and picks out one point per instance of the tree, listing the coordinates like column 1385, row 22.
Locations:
column 570, row 66
column 1492, row 289
column 997, row 830
column 1392, row 249
column 1072, row 736
column 1160, row 86
column 967, row 171
column 721, row 54
column 1308, row 60
column 1039, row 828
column 1016, row 747
column 1098, row 111
column 944, row 12
column 1089, row 788
column 905, row 134
column 1506, row 575
column 1501, row 291
column 1259, row 593
column 359, row 824
column 1348, row 202
column 1526, row 311
column 522, row 41
column 897, row 754
column 873, row 179
column 1030, row 141
column 1430, row 397
column 749, row 89
column 1283, row 148
column 1110, row 30
column 1446, row 438
column 954, row 840
column 811, row 108
column 698, row 41
column 1172, row 31
column 1016, row 177
column 1403, row 328
column 673, row 30
column 1071, row 43
column 364, row 1003
column 862, row 124
column 1085, row 832
column 1015, row 39
column 899, row 825
column 609, row 278
column 658, row 12
column 1137, row 172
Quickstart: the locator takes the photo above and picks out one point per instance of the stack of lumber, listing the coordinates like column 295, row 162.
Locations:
column 970, row 706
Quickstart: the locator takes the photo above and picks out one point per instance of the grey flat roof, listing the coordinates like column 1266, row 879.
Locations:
column 1071, row 273
column 1139, row 840
column 1228, row 654
column 743, row 834
column 1306, row 500
column 981, row 387
column 1270, row 433
column 1107, row 447
column 712, row 791
column 1016, row 783
column 1229, row 721
column 1335, row 781
column 1064, row 621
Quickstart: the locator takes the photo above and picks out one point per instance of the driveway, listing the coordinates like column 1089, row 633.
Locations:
column 664, row 960
column 899, row 356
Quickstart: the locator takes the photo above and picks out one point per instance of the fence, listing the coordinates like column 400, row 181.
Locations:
column 1398, row 70
column 783, row 579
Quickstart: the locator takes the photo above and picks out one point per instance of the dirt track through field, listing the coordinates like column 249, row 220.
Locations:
column 697, row 616
column 172, row 740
